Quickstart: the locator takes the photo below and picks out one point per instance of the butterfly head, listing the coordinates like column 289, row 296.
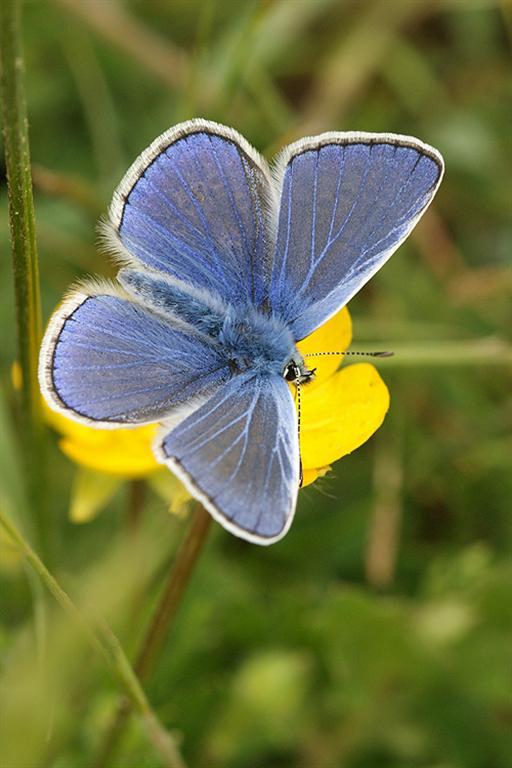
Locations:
column 296, row 372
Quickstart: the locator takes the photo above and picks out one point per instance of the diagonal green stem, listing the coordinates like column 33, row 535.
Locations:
column 103, row 640
column 24, row 250
column 179, row 577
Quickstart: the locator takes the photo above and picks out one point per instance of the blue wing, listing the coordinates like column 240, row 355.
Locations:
column 238, row 454
column 192, row 205
column 347, row 202
column 110, row 362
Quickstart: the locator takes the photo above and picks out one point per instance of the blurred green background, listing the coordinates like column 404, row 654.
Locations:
column 378, row 633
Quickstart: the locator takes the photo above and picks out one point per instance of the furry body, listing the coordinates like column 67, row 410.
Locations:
column 250, row 340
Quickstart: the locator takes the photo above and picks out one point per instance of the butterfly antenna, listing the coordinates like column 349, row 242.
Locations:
column 301, row 475
column 383, row 353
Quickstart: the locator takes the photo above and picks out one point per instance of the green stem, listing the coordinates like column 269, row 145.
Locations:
column 136, row 497
column 24, row 250
column 163, row 619
column 470, row 352
column 103, row 640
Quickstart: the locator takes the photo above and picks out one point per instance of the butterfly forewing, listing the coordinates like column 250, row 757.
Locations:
column 347, row 202
column 193, row 206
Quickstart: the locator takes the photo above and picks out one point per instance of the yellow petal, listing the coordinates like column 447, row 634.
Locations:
column 68, row 427
column 119, row 452
column 341, row 413
column 333, row 336
column 310, row 475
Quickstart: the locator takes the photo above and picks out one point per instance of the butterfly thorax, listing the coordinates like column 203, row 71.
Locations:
column 258, row 343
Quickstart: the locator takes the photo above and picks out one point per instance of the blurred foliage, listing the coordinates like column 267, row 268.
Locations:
column 378, row 634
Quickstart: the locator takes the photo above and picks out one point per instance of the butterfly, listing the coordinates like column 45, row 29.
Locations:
column 225, row 265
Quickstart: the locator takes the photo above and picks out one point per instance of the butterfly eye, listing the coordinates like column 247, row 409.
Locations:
column 291, row 372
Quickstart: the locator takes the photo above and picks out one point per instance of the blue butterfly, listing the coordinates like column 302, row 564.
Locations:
column 225, row 265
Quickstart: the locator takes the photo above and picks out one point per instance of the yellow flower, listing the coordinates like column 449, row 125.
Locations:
column 341, row 409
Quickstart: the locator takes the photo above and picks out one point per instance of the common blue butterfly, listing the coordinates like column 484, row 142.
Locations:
column 225, row 265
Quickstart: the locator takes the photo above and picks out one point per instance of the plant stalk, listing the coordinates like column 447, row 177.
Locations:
column 24, row 251
column 161, row 623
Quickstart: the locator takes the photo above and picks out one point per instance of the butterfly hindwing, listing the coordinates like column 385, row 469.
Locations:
column 238, row 454
column 347, row 202
column 108, row 361
column 193, row 206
